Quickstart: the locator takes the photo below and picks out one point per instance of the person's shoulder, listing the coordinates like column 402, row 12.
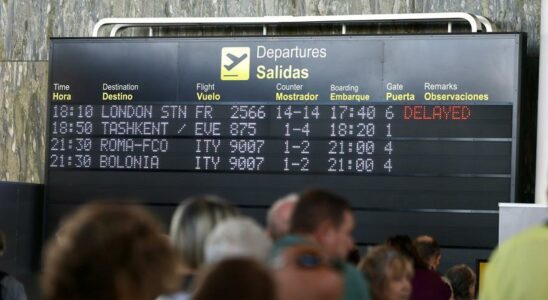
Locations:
column 529, row 246
column 351, row 270
column 290, row 240
column 13, row 287
column 356, row 284
column 9, row 280
column 535, row 236
column 285, row 242
column 521, row 256
column 352, row 273
column 429, row 279
column 427, row 274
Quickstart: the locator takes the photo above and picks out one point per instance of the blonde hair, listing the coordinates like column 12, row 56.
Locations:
column 381, row 262
column 192, row 222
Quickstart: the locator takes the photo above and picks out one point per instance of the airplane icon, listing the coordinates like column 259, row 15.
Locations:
column 235, row 60
column 235, row 63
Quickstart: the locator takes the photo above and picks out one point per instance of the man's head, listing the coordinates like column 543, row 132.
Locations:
column 405, row 245
column 326, row 218
column 279, row 216
column 429, row 250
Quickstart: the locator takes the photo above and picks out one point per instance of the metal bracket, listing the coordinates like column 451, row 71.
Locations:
column 477, row 23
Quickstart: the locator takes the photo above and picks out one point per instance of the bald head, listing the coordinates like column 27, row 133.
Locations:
column 279, row 216
column 424, row 239
column 429, row 250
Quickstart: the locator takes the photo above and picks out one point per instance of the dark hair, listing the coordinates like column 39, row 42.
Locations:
column 405, row 246
column 462, row 278
column 316, row 206
column 236, row 279
column 108, row 251
column 427, row 247
column 353, row 256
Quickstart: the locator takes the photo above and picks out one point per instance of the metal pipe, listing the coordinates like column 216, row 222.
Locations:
column 472, row 20
column 116, row 28
column 486, row 23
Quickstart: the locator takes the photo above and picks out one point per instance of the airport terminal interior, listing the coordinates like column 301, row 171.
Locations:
column 273, row 149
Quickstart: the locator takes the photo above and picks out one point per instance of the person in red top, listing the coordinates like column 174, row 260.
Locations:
column 427, row 284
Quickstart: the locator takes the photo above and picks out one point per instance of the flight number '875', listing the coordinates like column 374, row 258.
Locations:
column 243, row 129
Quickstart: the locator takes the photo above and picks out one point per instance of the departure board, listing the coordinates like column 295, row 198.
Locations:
column 413, row 121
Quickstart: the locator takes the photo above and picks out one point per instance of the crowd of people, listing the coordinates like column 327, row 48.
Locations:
column 120, row 252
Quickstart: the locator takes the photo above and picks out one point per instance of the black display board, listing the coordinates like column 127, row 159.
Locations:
column 409, row 122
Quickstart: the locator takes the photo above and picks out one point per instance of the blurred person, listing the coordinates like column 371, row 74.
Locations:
column 463, row 282
column 389, row 273
column 517, row 269
column 237, row 237
column 235, row 279
column 278, row 217
column 192, row 222
column 10, row 288
column 109, row 252
column 306, row 273
column 326, row 220
column 426, row 284
column 429, row 250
